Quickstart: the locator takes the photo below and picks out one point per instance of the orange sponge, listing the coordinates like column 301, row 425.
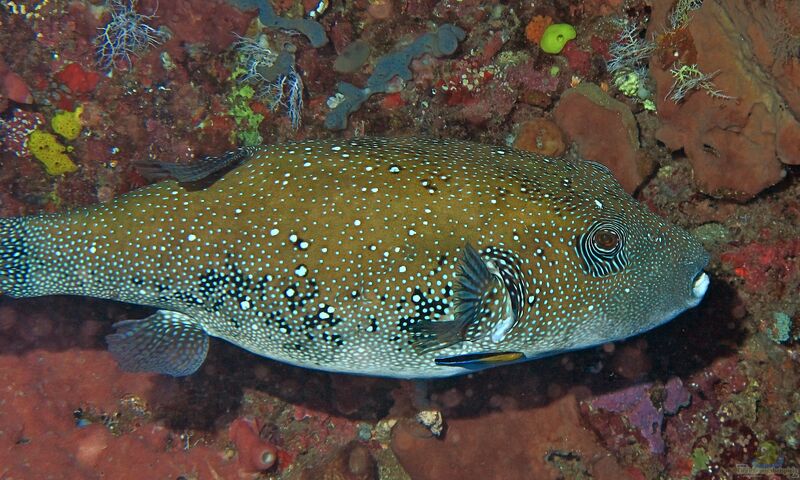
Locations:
column 536, row 27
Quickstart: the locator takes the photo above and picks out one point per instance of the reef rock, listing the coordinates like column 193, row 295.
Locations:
column 737, row 146
column 605, row 131
column 542, row 443
column 541, row 136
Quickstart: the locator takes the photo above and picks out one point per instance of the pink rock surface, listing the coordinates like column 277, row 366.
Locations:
column 507, row 445
column 255, row 454
column 14, row 88
column 738, row 146
column 605, row 131
column 45, row 379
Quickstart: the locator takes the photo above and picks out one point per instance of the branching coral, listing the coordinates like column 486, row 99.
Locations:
column 680, row 14
column 272, row 75
column 630, row 51
column 126, row 34
column 628, row 63
column 688, row 78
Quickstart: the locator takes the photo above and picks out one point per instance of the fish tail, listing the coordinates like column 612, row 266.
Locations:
column 14, row 257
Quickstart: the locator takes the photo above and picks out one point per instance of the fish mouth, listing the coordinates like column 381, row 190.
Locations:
column 701, row 280
column 699, row 287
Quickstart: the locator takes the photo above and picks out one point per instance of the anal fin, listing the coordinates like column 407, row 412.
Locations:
column 165, row 342
column 481, row 359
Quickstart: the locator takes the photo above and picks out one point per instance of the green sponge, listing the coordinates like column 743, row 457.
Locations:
column 556, row 36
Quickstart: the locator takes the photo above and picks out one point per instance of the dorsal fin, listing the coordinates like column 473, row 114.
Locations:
column 206, row 169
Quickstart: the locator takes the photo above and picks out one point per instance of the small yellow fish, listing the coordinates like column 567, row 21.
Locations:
column 402, row 257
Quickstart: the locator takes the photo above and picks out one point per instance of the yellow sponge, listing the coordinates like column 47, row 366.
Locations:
column 68, row 124
column 46, row 149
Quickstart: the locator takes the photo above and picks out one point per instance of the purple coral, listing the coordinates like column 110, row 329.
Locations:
column 635, row 404
column 677, row 396
column 529, row 77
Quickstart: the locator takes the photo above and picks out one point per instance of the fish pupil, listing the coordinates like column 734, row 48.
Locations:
column 606, row 239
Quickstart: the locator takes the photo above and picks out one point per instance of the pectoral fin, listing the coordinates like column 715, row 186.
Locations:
column 481, row 359
column 475, row 291
column 165, row 342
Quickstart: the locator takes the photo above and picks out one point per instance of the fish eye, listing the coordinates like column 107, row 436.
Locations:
column 606, row 239
column 602, row 248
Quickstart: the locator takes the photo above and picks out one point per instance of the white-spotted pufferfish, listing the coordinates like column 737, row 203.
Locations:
column 404, row 257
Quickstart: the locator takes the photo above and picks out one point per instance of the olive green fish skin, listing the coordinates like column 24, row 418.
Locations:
column 331, row 254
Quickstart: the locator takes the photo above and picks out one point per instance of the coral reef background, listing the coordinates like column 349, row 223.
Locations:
column 694, row 106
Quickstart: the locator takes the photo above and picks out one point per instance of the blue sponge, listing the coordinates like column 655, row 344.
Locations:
column 311, row 29
column 440, row 43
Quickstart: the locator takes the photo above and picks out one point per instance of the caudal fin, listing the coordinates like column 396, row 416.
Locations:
column 14, row 265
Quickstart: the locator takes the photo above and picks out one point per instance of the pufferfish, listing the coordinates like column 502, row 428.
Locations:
column 407, row 257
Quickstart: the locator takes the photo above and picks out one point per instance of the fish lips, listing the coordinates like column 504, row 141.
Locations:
column 699, row 288
column 700, row 283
